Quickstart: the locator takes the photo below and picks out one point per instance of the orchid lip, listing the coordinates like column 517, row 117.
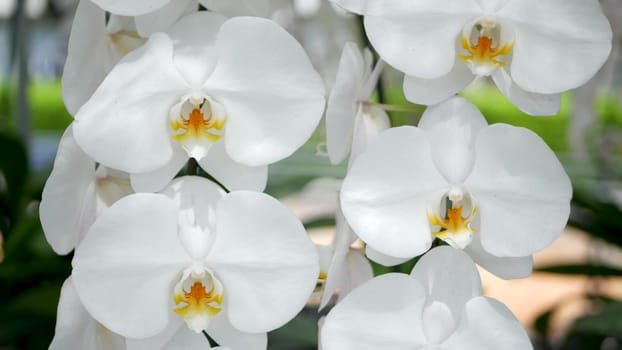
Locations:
column 197, row 123
column 198, row 297
column 485, row 47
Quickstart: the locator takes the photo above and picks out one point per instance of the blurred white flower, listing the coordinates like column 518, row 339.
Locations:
column 351, row 123
column 532, row 49
column 75, row 194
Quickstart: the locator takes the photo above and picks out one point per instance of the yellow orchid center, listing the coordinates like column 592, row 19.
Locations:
column 199, row 302
column 456, row 230
column 198, row 126
column 485, row 52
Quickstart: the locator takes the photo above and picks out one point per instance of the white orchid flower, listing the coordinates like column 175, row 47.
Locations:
column 75, row 194
column 509, row 195
column 342, row 267
column 532, row 49
column 77, row 330
column 234, row 94
column 236, row 265
column 350, row 121
column 94, row 48
column 439, row 306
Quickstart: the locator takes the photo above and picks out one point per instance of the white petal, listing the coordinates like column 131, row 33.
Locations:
column 165, row 17
column 436, row 90
column 76, row 329
column 438, row 322
column 343, row 106
column 197, row 199
column 156, row 180
column 273, row 101
column 126, row 265
column 231, row 8
column 560, row 44
column 337, row 267
column 67, row 202
column 452, row 128
column 448, row 275
column 384, row 313
column 265, row 260
column 388, row 190
column 221, row 330
column 522, row 191
column 528, row 102
column 492, row 6
column 488, row 324
column 195, row 38
column 234, row 176
column 358, row 271
column 88, row 56
column 131, row 8
column 383, row 259
column 506, row 267
column 123, row 125
column 159, row 340
column 419, row 37
column 369, row 123
column 185, row 339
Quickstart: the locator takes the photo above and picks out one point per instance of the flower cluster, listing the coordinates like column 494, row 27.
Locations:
column 164, row 92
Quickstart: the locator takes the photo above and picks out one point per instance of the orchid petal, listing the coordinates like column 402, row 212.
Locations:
column 388, row 190
column 125, row 267
column 419, row 37
column 440, row 270
column 358, row 271
column 522, row 191
column 559, row 44
column 131, row 8
column 506, row 267
column 165, row 17
column 337, row 265
column 452, row 128
column 383, row 259
column 384, row 313
column 343, row 106
column 273, row 101
column 156, row 180
column 528, row 102
column 488, row 324
column 88, row 56
column 72, row 183
column 234, row 176
column 264, row 259
column 221, row 330
column 195, row 53
column 76, row 329
column 433, row 91
column 231, row 8
column 127, row 130
column 369, row 123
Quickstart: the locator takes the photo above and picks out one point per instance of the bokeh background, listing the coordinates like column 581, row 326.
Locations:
column 573, row 300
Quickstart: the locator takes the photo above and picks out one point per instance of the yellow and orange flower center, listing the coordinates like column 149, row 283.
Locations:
column 197, row 126
column 199, row 305
column 456, row 230
column 484, row 54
